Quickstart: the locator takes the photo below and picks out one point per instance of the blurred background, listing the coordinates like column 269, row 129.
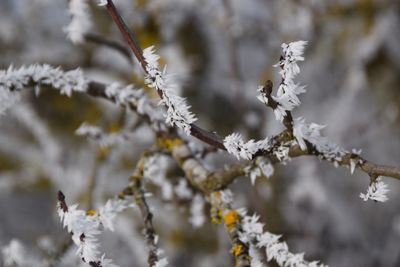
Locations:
column 219, row 51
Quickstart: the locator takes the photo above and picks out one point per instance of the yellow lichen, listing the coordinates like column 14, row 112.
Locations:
column 231, row 218
column 237, row 249
column 216, row 216
column 91, row 212
column 169, row 143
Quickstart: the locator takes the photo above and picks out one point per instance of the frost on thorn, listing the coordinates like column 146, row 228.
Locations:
column 376, row 191
column 178, row 111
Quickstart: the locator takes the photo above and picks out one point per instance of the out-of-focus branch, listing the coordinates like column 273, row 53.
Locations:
column 117, row 46
column 198, row 175
column 135, row 188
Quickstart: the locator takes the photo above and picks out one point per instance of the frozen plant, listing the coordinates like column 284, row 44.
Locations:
column 166, row 180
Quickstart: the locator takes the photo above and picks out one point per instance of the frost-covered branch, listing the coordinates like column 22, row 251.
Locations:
column 135, row 188
column 277, row 148
column 248, row 236
column 253, row 234
column 85, row 228
column 221, row 211
column 102, row 138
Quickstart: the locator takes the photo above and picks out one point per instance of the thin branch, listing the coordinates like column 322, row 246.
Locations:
column 215, row 140
column 128, row 35
column 135, row 188
column 117, row 46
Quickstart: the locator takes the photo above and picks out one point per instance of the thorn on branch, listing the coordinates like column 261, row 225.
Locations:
column 61, row 200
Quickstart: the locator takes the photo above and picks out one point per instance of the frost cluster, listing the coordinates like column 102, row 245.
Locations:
column 18, row 79
column 102, row 138
column 85, row 228
column 253, row 234
column 235, row 145
column 178, row 113
column 261, row 168
column 376, row 191
column 80, row 23
column 288, row 91
column 312, row 133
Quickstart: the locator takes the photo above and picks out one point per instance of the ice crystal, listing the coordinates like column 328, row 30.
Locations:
column 109, row 211
column 312, row 133
column 85, row 229
column 252, row 232
column 288, row 91
column 236, row 146
column 66, row 82
column 262, row 167
column 376, row 191
column 80, row 21
column 178, row 113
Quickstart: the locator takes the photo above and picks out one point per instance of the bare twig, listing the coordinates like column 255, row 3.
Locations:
column 117, row 46
column 128, row 35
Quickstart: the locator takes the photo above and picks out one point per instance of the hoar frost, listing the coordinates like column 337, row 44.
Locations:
column 178, row 112
column 80, row 22
column 376, row 191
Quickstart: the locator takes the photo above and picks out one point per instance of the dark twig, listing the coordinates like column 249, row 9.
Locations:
column 117, row 46
column 128, row 35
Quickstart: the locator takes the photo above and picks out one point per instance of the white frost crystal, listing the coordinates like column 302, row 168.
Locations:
column 377, row 191
column 178, row 111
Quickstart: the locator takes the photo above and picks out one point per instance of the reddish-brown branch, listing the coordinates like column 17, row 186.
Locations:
column 128, row 35
column 215, row 140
